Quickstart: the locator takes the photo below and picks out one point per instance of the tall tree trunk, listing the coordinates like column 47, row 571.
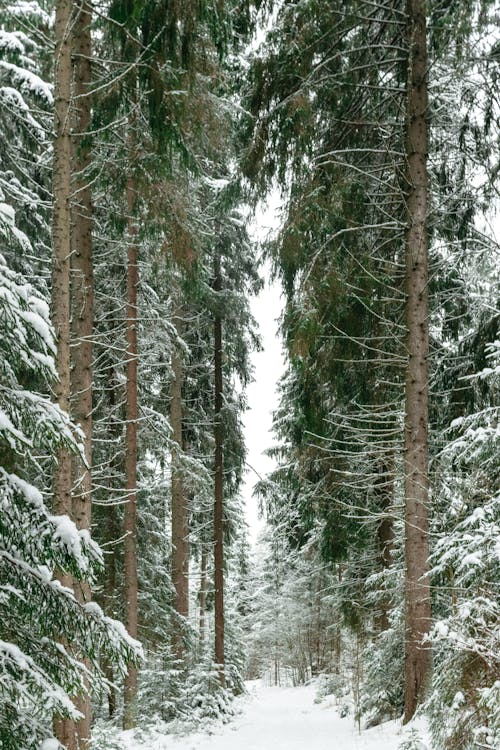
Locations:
column 384, row 490
column 110, row 593
column 180, row 515
column 131, row 414
column 109, row 601
column 416, row 486
column 61, row 250
column 107, row 668
column 82, row 318
column 218, row 483
column 203, row 595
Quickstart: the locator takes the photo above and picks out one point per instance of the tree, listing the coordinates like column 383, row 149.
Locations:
column 180, row 507
column 332, row 132
column 60, row 288
column 341, row 120
column 82, row 299
column 218, row 482
column 416, row 466
column 40, row 676
column 131, row 417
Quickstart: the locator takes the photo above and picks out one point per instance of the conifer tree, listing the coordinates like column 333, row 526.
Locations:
column 180, row 508
column 416, row 466
column 341, row 120
column 82, row 300
column 40, row 675
column 131, row 417
column 60, row 289
column 218, row 481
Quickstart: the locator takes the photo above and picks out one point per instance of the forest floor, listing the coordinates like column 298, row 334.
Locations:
column 273, row 718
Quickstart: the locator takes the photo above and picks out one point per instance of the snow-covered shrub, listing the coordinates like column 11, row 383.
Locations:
column 382, row 696
column 184, row 699
column 331, row 684
column 412, row 740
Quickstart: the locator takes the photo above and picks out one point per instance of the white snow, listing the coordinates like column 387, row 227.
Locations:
column 28, row 81
column 278, row 719
column 31, row 494
column 10, row 41
column 8, row 214
column 31, row 9
column 50, row 744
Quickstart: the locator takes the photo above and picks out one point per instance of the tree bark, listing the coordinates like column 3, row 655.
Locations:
column 107, row 668
column 180, row 509
column 218, row 484
column 61, row 239
column 82, row 285
column 416, row 484
column 384, row 490
column 131, row 414
column 203, row 595
column 110, row 593
column 61, row 250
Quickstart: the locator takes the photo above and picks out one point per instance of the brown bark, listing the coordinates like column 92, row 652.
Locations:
column 107, row 668
column 110, row 593
column 180, row 506
column 417, row 593
column 384, row 489
column 61, row 237
column 61, row 233
column 131, row 414
column 82, row 318
column 203, row 595
column 218, row 486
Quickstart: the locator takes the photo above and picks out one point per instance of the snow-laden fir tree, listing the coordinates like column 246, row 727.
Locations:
column 26, row 99
column 41, row 620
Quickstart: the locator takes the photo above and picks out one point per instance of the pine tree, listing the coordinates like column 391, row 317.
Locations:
column 416, row 468
column 180, row 505
column 39, row 675
column 131, row 417
column 341, row 120
column 218, row 482
column 82, row 301
column 60, row 287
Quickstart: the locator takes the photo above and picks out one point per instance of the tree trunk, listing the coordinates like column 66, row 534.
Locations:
column 417, row 594
column 61, row 250
column 110, row 593
column 384, row 489
column 61, row 241
column 218, row 485
column 82, row 304
column 180, row 510
column 131, row 414
column 203, row 595
column 107, row 668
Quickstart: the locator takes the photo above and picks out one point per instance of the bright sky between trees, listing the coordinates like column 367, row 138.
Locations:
column 268, row 367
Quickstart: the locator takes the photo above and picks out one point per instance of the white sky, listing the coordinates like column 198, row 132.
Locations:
column 268, row 367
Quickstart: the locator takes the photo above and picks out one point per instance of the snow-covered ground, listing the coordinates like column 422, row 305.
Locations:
column 280, row 719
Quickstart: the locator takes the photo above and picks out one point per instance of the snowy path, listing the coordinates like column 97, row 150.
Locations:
column 283, row 719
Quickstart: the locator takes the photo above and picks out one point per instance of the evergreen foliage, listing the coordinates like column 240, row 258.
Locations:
column 40, row 618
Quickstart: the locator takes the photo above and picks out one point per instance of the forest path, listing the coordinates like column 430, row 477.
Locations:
column 284, row 719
